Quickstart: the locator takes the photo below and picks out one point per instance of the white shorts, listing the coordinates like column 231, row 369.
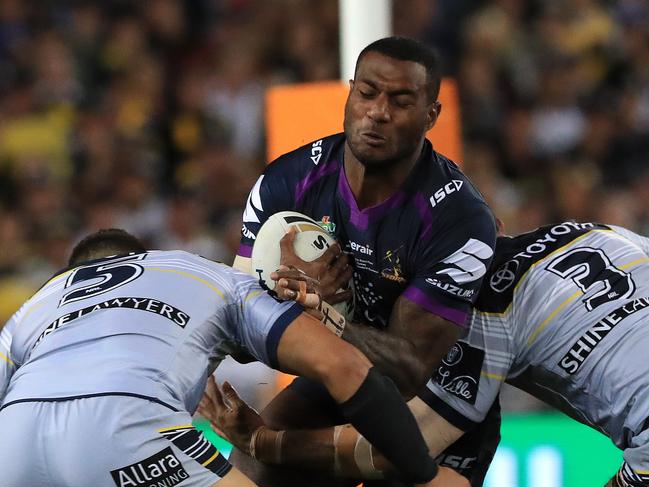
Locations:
column 104, row 441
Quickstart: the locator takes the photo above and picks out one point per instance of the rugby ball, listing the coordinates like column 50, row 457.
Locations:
column 310, row 243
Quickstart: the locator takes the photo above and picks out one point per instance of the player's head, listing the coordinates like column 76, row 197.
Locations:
column 392, row 100
column 111, row 241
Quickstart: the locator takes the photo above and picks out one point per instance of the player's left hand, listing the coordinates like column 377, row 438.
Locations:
column 294, row 284
column 229, row 415
column 331, row 269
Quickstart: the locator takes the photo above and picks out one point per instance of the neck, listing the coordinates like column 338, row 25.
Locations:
column 373, row 185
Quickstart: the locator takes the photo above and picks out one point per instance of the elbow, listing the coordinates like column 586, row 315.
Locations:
column 412, row 379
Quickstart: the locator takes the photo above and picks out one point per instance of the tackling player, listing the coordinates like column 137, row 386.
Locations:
column 562, row 314
column 106, row 362
column 419, row 234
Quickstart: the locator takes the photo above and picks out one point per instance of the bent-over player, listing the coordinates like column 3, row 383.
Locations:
column 562, row 314
column 106, row 362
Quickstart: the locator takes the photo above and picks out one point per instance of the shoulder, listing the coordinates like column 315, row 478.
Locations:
column 448, row 187
column 306, row 158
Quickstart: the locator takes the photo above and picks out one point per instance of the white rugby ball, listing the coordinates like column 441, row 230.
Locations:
column 311, row 241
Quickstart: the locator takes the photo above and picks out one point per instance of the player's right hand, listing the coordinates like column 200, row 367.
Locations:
column 229, row 415
column 331, row 269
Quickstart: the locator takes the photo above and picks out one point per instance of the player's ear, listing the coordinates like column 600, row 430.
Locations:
column 433, row 113
column 351, row 85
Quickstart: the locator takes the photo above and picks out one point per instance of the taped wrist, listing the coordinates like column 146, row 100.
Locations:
column 332, row 319
column 266, row 445
column 380, row 414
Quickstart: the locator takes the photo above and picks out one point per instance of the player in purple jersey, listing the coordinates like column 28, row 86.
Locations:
column 419, row 235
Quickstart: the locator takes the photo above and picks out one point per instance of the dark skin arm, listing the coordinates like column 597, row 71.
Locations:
column 415, row 340
column 408, row 351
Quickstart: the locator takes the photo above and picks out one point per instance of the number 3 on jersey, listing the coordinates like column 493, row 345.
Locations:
column 588, row 267
column 112, row 273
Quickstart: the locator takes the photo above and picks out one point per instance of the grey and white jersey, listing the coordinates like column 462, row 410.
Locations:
column 564, row 314
column 149, row 325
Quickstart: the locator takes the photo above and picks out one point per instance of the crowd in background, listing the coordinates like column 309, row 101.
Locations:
column 149, row 115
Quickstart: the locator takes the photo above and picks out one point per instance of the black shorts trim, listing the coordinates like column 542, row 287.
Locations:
column 85, row 396
column 277, row 330
column 445, row 411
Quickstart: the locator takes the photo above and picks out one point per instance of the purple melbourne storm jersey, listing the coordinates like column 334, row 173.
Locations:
column 431, row 241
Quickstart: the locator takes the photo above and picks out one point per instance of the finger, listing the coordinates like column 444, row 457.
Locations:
column 287, row 250
column 331, row 254
column 301, row 293
column 342, row 261
column 215, row 395
column 340, row 297
column 312, row 300
column 232, row 396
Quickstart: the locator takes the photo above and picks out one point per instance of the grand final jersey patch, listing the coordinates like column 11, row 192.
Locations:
column 459, row 372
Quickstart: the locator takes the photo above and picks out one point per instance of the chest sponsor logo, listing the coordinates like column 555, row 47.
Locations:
column 393, row 271
column 584, row 346
column 316, row 151
column 467, row 263
column 459, row 372
column 451, row 288
column 253, row 205
column 504, row 276
column 361, row 248
column 160, row 470
column 445, row 190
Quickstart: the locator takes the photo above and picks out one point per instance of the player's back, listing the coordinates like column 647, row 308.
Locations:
column 144, row 325
column 574, row 301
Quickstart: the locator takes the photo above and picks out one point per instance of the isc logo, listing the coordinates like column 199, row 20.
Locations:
column 444, row 191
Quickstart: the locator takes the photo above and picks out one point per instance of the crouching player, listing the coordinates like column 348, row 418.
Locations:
column 562, row 314
column 105, row 364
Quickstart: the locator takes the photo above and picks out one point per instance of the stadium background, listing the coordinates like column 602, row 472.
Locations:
column 150, row 116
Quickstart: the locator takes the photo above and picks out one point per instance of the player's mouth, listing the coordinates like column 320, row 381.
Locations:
column 373, row 138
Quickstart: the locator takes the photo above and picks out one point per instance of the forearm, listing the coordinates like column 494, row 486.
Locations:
column 394, row 356
column 339, row 450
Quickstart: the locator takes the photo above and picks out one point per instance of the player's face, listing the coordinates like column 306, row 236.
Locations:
column 388, row 110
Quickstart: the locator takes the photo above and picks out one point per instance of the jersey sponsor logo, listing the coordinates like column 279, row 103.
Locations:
column 151, row 305
column 445, row 190
column 247, row 233
column 316, row 151
column 467, row 262
column 451, row 288
column 160, row 470
column 459, row 372
column 504, row 276
column 361, row 248
column 456, row 462
column 253, row 205
column 579, row 352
